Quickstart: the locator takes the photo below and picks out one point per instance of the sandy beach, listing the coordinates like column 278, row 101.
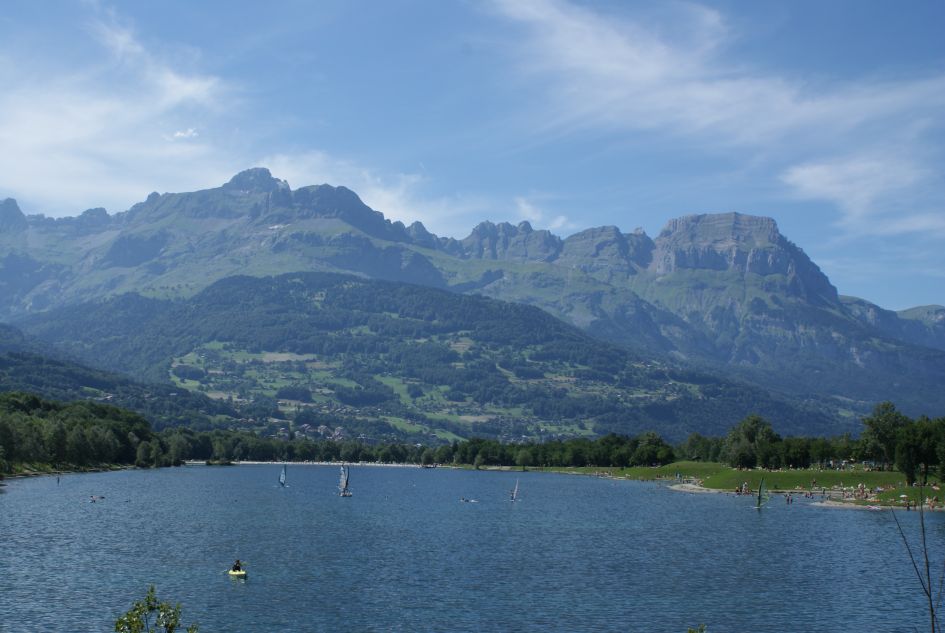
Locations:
column 823, row 503
column 693, row 488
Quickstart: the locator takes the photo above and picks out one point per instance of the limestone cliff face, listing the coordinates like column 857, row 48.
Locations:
column 744, row 244
column 504, row 241
column 606, row 249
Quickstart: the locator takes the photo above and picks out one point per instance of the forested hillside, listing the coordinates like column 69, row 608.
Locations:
column 29, row 366
column 397, row 359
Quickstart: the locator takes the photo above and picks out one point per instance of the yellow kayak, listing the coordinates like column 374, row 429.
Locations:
column 237, row 574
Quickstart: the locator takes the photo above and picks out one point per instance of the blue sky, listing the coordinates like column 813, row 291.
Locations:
column 827, row 116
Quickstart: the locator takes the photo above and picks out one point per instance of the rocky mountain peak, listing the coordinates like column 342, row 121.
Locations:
column 11, row 218
column 722, row 230
column 419, row 235
column 605, row 248
column 326, row 201
column 726, row 241
column 255, row 180
column 93, row 219
column 506, row 241
column 745, row 244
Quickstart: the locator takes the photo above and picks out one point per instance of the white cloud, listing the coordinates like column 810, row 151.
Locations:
column 183, row 134
column 109, row 133
column 876, row 193
column 401, row 197
column 527, row 210
column 170, row 87
column 671, row 77
column 119, row 40
column 560, row 222
column 624, row 74
column 92, row 136
column 856, row 183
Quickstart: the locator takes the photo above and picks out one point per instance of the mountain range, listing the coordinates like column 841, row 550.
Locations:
column 723, row 293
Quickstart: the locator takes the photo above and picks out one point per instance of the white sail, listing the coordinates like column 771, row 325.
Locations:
column 282, row 477
column 514, row 494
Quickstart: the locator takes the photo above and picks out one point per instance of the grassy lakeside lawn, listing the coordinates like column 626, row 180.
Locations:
column 805, row 479
column 716, row 476
column 686, row 470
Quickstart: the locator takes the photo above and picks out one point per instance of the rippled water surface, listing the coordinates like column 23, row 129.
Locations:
column 405, row 554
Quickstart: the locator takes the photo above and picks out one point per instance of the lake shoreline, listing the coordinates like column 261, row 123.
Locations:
column 686, row 486
column 78, row 471
column 200, row 462
column 829, row 503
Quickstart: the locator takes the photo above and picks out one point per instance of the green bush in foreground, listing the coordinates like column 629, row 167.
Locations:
column 138, row 619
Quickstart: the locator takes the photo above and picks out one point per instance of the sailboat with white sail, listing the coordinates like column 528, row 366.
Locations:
column 343, row 489
column 513, row 495
column 282, row 478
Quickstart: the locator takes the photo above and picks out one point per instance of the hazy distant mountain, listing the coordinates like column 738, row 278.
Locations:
column 726, row 292
column 922, row 325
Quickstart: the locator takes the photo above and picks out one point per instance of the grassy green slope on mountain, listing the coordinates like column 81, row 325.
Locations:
column 23, row 369
column 338, row 345
column 764, row 333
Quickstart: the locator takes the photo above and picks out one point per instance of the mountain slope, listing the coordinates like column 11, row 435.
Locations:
column 407, row 357
column 30, row 366
column 922, row 326
column 723, row 292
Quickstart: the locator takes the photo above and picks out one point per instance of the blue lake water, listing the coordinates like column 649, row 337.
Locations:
column 404, row 554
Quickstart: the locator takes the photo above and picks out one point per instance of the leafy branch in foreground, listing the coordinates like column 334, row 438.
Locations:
column 138, row 619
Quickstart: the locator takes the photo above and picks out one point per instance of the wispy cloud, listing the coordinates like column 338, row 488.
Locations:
column 109, row 132
column 168, row 85
column 672, row 77
column 400, row 197
column 183, row 134
column 98, row 135
column 528, row 210
column 877, row 194
column 608, row 71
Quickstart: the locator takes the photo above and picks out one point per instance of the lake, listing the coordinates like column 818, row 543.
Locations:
column 405, row 554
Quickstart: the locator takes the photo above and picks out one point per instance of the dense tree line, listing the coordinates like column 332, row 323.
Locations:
column 33, row 430
column 643, row 450
column 890, row 439
column 80, row 434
